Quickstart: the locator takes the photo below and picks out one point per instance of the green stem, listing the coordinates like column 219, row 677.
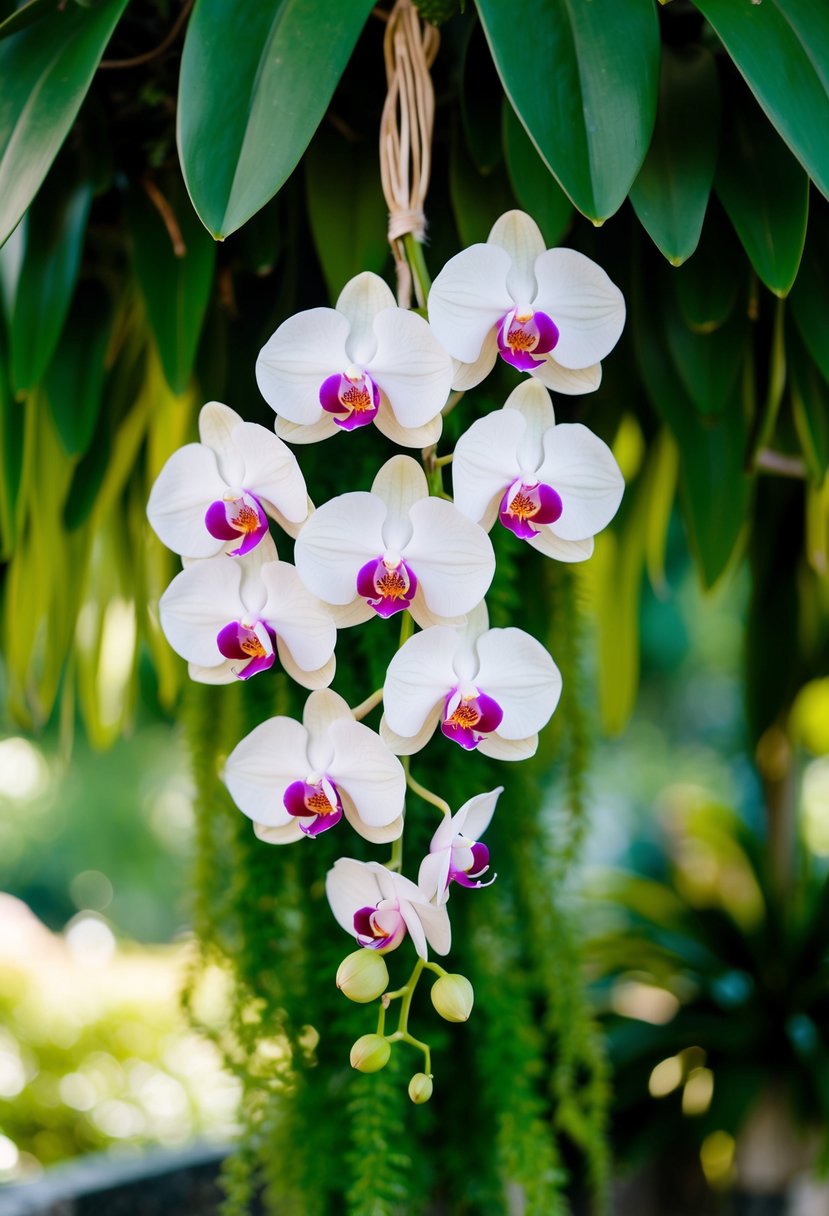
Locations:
column 401, row 1035
column 417, row 262
column 365, row 707
column 425, row 794
column 443, row 461
column 436, row 967
column 406, row 629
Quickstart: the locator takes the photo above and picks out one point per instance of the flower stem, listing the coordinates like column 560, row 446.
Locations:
column 425, row 794
column 417, row 262
column 442, row 461
column 365, row 707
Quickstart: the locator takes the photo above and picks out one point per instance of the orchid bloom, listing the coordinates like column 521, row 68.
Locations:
column 553, row 486
column 230, row 617
column 294, row 779
column 222, row 489
column 394, row 548
column 330, row 369
column 550, row 312
column 456, row 853
column 377, row 906
column 490, row 689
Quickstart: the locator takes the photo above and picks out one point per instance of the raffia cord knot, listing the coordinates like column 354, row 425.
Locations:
column 409, row 49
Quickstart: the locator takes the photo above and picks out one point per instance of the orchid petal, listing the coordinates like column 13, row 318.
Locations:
column 475, row 816
column 418, row 677
column 322, row 709
column 403, row 745
column 345, row 616
column 468, row 298
column 350, row 885
column 587, row 307
column 320, row 677
column 406, row 437
column 217, row 423
column 564, row 380
column 198, row 603
column 296, row 359
column 400, row 483
column 498, row 748
column 433, row 875
column 374, row 835
column 532, row 401
column 293, row 432
column 521, row 237
column 362, row 298
column 414, row 924
column 339, row 538
column 584, row 471
column 519, row 673
column 486, row 461
column 368, row 772
column 468, row 375
column 282, row 834
column 271, row 471
column 410, row 366
column 424, row 617
column 452, row 557
column 299, row 618
column 223, row 673
column 184, row 488
column 436, row 926
column 262, row 766
column 562, row 550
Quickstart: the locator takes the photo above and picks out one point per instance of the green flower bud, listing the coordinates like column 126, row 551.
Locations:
column 453, row 997
column 363, row 976
column 420, row 1088
column 370, row 1053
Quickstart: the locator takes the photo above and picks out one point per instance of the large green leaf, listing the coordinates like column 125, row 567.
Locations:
column 175, row 282
column 256, row 78
column 810, row 295
column 810, row 408
column 670, row 194
column 348, row 226
column 707, row 285
column 583, row 79
column 781, row 47
column 55, row 230
column 26, row 14
column 477, row 200
column 536, row 189
column 75, row 379
column 45, row 71
column 765, row 192
column 708, row 363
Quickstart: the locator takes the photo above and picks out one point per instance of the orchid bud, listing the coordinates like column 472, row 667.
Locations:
column 420, row 1088
column 370, row 1053
column 453, row 997
column 362, row 976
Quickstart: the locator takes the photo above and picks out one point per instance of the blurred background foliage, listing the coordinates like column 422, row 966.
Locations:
column 683, row 147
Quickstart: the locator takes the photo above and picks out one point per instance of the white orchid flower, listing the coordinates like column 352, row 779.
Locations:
column 394, row 548
column 456, row 853
column 553, row 486
column 222, row 489
column 377, row 906
column 550, row 312
column 330, row 369
column 490, row 689
column 294, row 779
column 230, row 617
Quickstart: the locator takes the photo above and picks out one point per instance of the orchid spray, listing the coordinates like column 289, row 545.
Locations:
column 404, row 552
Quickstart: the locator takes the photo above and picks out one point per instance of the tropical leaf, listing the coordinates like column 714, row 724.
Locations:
column 536, row 189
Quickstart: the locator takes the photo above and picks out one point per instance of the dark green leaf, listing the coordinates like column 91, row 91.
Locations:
column 256, row 78
column 536, row 189
column 810, row 295
column 583, row 80
column 476, row 200
column 45, row 72
column 12, row 435
column 707, row 284
column 765, row 192
column 348, row 226
column 55, row 230
column 670, row 194
column 481, row 101
column 26, row 14
column 810, row 407
column 708, row 364
column 75, row 379
column 781, row 47
column 175, row 282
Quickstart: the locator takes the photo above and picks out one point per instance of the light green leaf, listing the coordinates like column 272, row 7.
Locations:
column 175, row 280
column 583, row 79
column 55, row 230
column 348, row 226
column 670, row 194
column 536, row 189
column 45, row 72
column 765, row 192
column 256, row 78
column 781, row 47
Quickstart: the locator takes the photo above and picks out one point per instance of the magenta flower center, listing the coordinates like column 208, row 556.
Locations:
column 468, row 718
column 381, row 927
column 526, row 504
column 525, row 337
column 253, row 644
column 387, row 584
column 317, row 800
column 352, row 396
column 239, row 513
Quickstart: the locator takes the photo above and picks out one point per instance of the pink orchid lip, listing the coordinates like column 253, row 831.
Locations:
column 318, row 800
column 471, row 877
column 528, row 503
column 466, row 719
column 381, row 927
column 238, row 513
column 525, row 337
column 354, row 395
column 255, row 643
column 387, row 584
